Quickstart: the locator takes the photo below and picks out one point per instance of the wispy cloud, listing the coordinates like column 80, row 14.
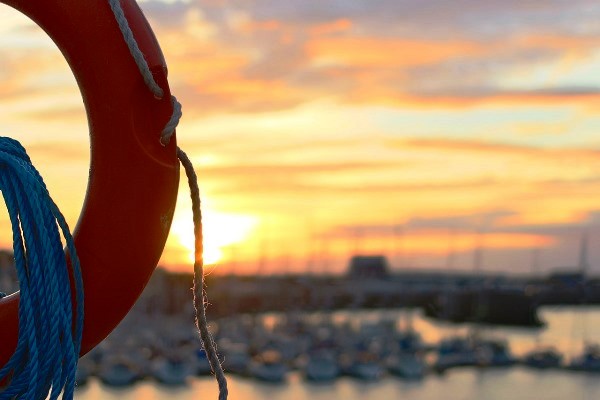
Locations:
column 376, row 51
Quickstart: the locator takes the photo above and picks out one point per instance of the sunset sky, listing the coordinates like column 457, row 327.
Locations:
column 319, row 129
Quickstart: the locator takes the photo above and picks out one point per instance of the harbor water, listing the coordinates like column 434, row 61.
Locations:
column 516, row 383
column 566, row 329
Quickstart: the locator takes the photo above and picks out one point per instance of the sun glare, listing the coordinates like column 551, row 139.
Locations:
column 220, row 230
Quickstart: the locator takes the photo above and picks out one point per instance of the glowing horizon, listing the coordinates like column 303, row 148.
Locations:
column 323, row 130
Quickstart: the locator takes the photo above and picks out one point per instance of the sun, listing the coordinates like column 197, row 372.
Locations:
column 220, row 230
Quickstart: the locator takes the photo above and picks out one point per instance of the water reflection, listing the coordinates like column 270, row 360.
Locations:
column 567, row 329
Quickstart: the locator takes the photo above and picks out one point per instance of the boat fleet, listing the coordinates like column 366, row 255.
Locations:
column 318, row 349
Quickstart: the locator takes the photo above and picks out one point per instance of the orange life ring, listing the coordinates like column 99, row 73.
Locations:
column 133, row 180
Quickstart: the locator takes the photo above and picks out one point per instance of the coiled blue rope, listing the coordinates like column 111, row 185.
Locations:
column 45, row 360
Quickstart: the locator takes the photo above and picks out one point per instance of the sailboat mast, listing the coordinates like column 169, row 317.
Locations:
column 583, row 255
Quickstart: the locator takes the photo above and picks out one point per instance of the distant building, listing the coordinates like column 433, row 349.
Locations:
column 369, row 267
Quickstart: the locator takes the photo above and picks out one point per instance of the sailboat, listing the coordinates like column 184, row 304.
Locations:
column 543, row 358
column 549, row 357
column 589, row 359
column 363, row 365
column 454, row 352
column 455, row 305
column 452, row 303
column 408, row 365
column 408, row 360
column 322, row 366
column 494, row 353
column 269, row 367
column 118, row 371
column 171, row 370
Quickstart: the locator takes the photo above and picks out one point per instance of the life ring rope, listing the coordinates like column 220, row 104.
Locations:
column 200, row 299
column 134, row 49
column 144, row 69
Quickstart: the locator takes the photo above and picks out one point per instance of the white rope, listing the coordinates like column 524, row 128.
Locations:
column 169, row 129
column 140, row 61
column 200, row 299
column 134, row 49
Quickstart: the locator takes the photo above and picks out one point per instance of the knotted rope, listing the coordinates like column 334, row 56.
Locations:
column 45, row 359
column 200, row 300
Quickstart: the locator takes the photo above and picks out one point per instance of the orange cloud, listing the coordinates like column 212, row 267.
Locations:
column 438, row 242
column 384, row 53
column 251, row 26
column 565, row 43
column 332, row 27
column 583, row 99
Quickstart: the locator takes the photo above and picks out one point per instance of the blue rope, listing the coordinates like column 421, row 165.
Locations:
column 45, row 360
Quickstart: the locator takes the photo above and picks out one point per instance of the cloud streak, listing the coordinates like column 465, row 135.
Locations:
column 368, row 52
